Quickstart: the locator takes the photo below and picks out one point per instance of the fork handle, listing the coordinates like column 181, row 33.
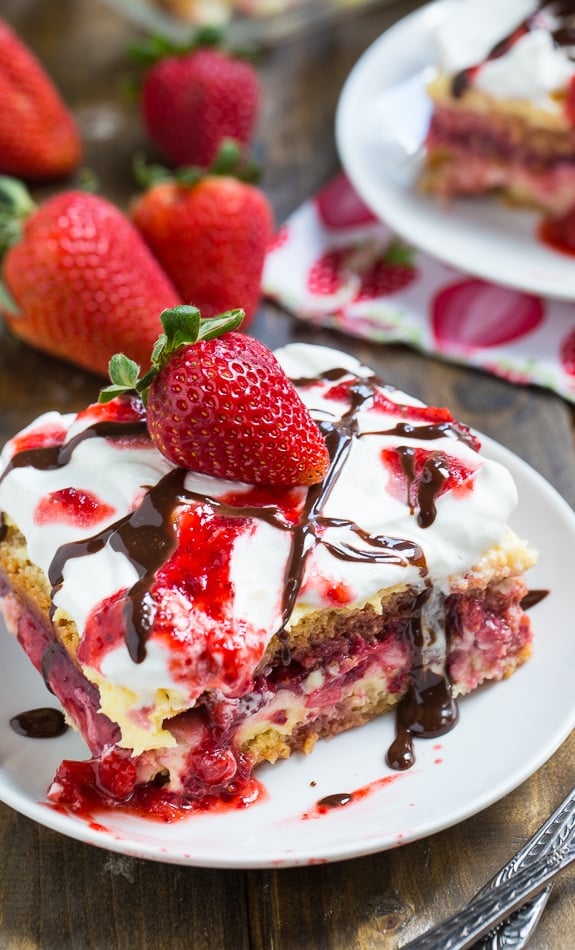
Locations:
column 487, row 910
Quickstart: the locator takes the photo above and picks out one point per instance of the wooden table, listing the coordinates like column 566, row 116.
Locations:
column 57, row 893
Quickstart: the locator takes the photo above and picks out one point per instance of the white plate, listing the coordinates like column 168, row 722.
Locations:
column 505, row 733
column 381, row 121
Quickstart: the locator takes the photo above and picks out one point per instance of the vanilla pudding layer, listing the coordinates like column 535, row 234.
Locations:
column 200, row 626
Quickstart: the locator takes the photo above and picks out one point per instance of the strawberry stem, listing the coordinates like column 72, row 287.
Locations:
column 183, row 326
column 151, row 49
column 231, row 161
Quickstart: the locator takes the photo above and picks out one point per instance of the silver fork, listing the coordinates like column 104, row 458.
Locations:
column 505, row 912
column 516, row 930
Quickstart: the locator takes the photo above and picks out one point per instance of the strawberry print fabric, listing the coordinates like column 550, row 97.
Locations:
column 334, row 264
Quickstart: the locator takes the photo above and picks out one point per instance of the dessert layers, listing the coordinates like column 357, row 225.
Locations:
column 503, row 99
column 193, row 627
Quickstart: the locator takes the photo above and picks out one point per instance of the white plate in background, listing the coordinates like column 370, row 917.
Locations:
column 381, row 122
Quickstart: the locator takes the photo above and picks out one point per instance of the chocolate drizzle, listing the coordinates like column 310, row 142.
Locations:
column 56, row 456
column 563, row 36
column 427, row 709
column 532, row 598
column 147, row 537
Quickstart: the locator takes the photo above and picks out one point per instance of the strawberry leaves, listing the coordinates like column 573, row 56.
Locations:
column 16, row 205
column 219, row 403
column 182, row 325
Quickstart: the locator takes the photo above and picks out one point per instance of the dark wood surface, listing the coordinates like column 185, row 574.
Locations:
column 57, row 893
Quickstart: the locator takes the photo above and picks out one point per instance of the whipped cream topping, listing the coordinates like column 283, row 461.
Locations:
column 408, row 502
column 533, row 65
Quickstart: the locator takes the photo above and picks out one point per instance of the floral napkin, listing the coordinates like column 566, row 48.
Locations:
column 334, row 264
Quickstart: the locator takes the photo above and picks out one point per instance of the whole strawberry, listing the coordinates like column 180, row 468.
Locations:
column 78, row 280
column 39, row 139
column 210, row 233
column 191, row 100
column 218, row 402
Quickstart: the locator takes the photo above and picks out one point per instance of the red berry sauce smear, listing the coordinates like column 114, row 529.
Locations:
column 90, row 789
column 558, row 233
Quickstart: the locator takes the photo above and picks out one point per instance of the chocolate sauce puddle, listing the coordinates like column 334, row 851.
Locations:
column 147, row 538
column 337, row 800
column 41, row 723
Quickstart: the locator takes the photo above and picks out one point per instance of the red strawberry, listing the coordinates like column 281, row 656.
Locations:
column 567, row 353
column 472, row 313
column 80, row 280
column 38, row 136
column 211, row 238
column 193, row 100
column 222, row 405
column 339, row 205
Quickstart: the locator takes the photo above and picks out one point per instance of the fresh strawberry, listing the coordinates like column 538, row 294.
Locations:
column 193, row 98
column 210, row 234
column 472, row 313
column 39, row 139
column 222, row 405
column 78, row 280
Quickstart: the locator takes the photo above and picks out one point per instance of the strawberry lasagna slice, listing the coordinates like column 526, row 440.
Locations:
column 503, row 115
column 192, row 628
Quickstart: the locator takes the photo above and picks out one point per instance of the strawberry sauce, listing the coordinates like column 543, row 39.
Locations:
column 558, row 233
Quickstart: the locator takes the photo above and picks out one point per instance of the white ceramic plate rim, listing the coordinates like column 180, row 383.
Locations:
column 506, row 732
column 482, row 237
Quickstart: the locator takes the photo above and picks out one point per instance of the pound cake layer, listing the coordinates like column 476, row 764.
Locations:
column 192, row 628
